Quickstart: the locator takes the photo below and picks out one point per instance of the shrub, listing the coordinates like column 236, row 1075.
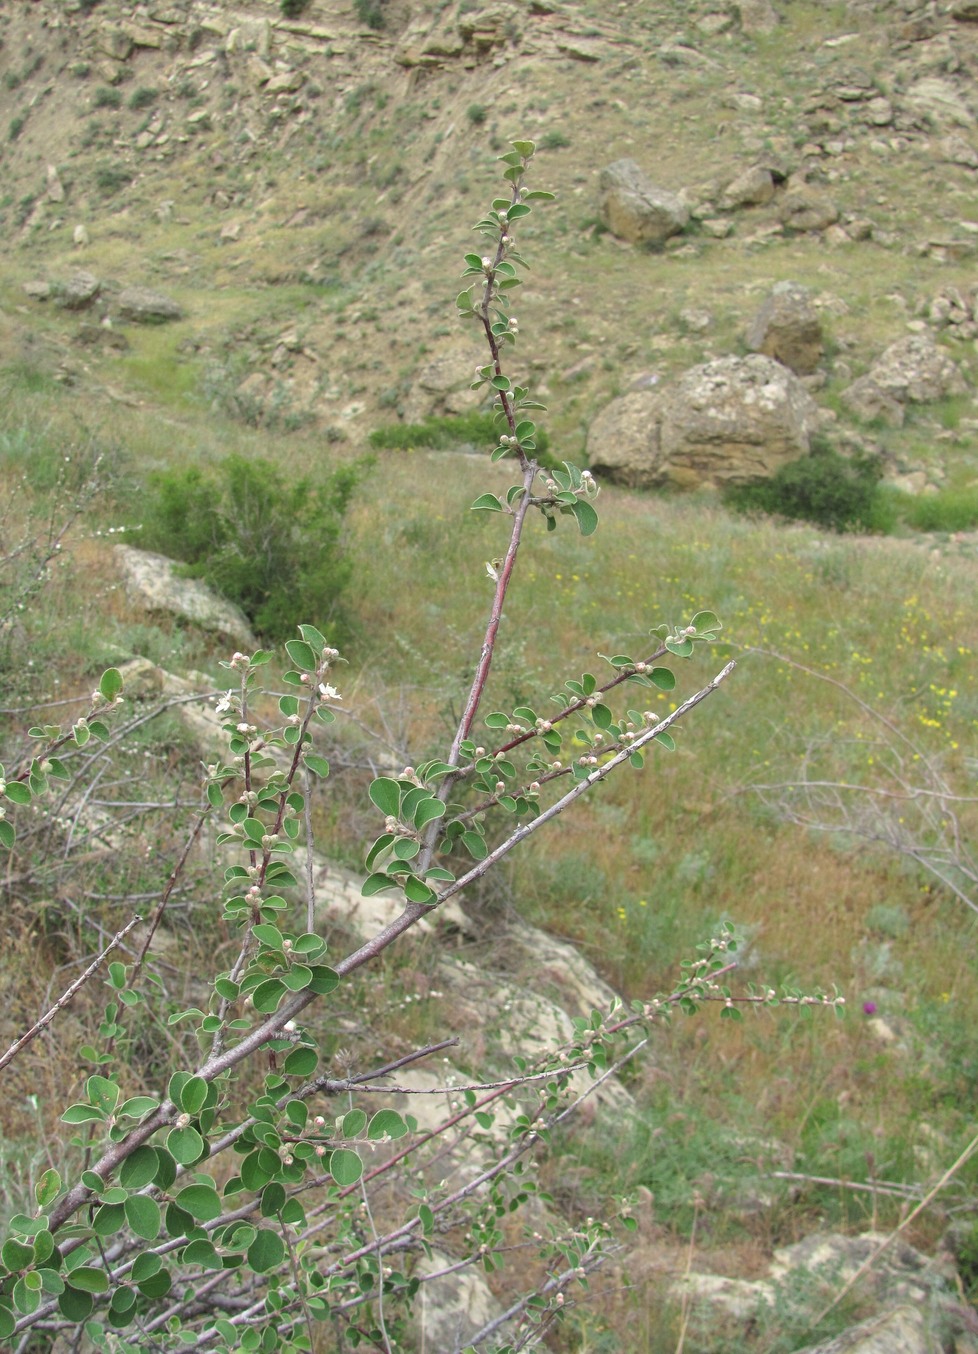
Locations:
column 109, row 178
column 554, row 141
column 947, row 510
column 371, row 13
column 17, row 125
column 291, row 9
column 143, row 97
column 825, row 488
column 106, row 97
column 270, row 544
column 449, row 432
column 477, row 113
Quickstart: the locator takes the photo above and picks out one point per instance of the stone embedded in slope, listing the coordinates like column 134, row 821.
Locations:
column 636, row 209
column 914, row 370
column 787, row 328
column 142, row 305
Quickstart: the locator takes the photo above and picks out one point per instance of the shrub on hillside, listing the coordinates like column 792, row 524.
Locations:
column 291, row 9
column 370, row 12
column 269, row 544
column 843, row 494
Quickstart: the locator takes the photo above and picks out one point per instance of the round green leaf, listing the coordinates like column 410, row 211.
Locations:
column 354, row 1122
column 386, row 1124
column 185, row 1144
column 193, row 1093
column 386, row 794
column 143, row 1216
column 301, row 1062
column 266, row 1251
column 200, row 1201
column 345, row 1166
column 88, row 1279
column 139, row 1169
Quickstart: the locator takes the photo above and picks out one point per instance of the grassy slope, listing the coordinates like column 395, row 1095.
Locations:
column 655, row 863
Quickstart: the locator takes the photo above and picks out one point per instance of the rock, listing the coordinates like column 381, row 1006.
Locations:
column 868, row 402
column 114, row 43
column 56, row 190
column 454, row 1308
column 939, row 101
column 79, row 291
column 141, row 305
column 141, row 36
column 788, row 329
column 153, row 583
column 901, row 1331
column 757, row 16
column 957, row 151
column 79, row 236
column 965, row 11
column 915, row 370
column 805, row 208
column 723, row 422
column 254, row 35
column 635, row 209
column 753, row 188
column 286, row 82
column 443, row 386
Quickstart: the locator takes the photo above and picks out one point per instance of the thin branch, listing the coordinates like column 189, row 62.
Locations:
column 66, row 996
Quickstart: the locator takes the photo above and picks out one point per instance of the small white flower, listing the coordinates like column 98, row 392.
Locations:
column 329, row 693
column 224, row 704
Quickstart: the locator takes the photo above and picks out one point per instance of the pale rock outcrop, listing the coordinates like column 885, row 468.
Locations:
column 152, row 582
column 724, row 422
column 787, row 328
column 637, row 210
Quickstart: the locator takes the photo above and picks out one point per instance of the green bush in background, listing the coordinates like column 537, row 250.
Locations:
column 833, row 491
column 269, row 544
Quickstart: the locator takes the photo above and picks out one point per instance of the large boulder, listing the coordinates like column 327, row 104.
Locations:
column 444, row 385
column 806, row 208
column 636, row 209
column 724, row 422
column 788, row 329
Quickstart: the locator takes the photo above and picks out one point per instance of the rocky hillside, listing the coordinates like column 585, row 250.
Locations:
column 295, row 194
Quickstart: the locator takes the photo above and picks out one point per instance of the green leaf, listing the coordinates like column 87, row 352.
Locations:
column 663, row 678
column 202, row 1252
column 81, row 1114
column 484, row 503
column 200, row 1201
column 667, row 741
column 139, row 1169
column 267, row 1250
column 475, row 844
column 46, row 1189
column 427, row 811
column 75, row 1305
column 138, row 1105
column 7, row 834
column 110, row 683
column 301, row 1062
column 324, row 979
column 27, row 1296
column 706, row 622
column 301, row 654
column 377, row 883
column 185, row 1144
column 17, row 792
column 386, row 1124
column 89, row 1280
column 267, row 995
column 345, row 1166
column 268, row 935
column 108, row 1219
column 523, row 148
column 8, row 1323
column 417, row 891
column 143, row 1216
column 587, row 518
column 319, row 766
column 192, row 1095
column 386, row 794
column 602, row 716
column 145, row 1266
column 15, row 1256
column 354, row 1122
